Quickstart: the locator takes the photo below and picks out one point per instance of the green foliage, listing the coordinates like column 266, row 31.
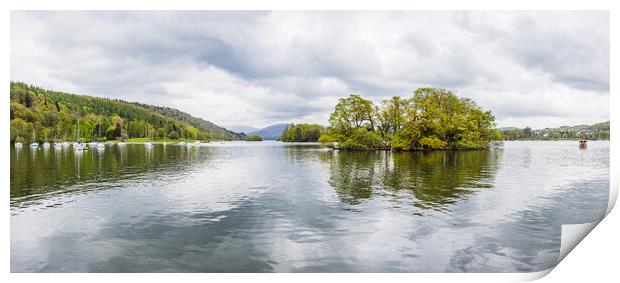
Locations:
column 254, row 138
column 331, row 137
column 360, row 139
column 302, row 133
column 431, row 119
column 35, row 111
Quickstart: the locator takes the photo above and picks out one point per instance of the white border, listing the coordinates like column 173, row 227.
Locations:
column 576, row 268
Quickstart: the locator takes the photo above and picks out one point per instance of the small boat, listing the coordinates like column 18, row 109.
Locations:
column 100, row 145
column 181, row 143
column 197, row 143
column 46, row 144
column 78, row 146
column 66, row 144
column 121, row 143
column 17, row 144
column 57, row 145
column 109, row 143
column 34, row 144
column 583, row 144
column 146, row 134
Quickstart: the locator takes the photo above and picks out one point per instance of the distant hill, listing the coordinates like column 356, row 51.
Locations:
column 199, row 123
column 271, row 132
column 40, row 115
column 243, row 129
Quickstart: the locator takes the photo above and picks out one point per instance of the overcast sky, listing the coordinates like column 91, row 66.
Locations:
column 533, row 69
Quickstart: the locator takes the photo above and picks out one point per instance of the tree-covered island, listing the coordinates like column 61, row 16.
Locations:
column 431, row 119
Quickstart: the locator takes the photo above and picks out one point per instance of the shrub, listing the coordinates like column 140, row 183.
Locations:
column 173, row 135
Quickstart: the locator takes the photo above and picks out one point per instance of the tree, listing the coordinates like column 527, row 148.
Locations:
column 527, row 132
column 161, row 132
column 118, row 131
column 352, row 112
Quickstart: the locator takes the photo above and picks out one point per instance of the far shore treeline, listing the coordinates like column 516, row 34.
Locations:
column 598, row 131
column 40, row 115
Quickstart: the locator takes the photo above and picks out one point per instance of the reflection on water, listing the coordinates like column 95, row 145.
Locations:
column 274, row 207
column 435, row 179
column 38, row 172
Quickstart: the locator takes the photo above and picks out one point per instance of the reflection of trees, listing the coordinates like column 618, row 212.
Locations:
column 435, row 179
column 38, row 171
column 352, row 174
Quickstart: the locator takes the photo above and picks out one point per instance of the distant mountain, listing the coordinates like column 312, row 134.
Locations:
column 243, row 129
column 271, row 132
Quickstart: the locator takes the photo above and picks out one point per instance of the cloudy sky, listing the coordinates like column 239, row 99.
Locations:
column 533, row 69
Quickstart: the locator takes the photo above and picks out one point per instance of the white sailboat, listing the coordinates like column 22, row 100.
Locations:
column 94, row 143
column 66, row 143
column 188, row 144
column 78, row 146
column 46, row 144
column 17, row 143
column 57, row 144
column 147, row 143
column 34, row 144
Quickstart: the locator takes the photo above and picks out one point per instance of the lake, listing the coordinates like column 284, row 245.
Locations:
column 276, row 207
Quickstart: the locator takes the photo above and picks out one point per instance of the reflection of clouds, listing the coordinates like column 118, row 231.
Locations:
column 249, row 208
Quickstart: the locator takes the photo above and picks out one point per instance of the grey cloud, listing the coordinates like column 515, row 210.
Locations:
column 300, row 59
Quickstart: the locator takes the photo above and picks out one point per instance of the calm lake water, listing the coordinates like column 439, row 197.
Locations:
column 274, row 207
